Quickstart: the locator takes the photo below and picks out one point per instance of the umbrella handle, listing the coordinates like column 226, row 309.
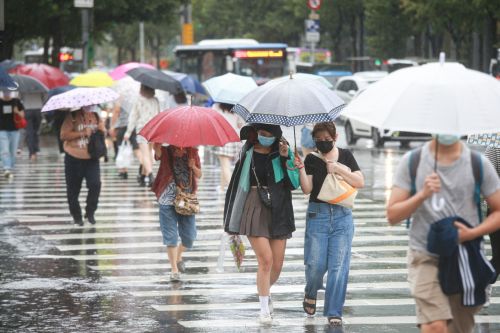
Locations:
column 437, row 203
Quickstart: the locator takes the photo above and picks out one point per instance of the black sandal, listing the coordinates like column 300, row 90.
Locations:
column 309, row 306
column 335, row 321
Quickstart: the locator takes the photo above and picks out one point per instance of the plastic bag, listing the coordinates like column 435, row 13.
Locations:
column 125, row 156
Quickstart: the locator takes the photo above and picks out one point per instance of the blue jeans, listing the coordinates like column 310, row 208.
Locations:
column 174, row 225
column 9, row 140
column 327, row 248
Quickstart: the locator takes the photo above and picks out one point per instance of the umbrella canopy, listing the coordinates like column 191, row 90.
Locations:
column 93, row 79
column 79, row 97
column 290, row 102
column 121, row 71
column 189, row 84
column 59, row 90
column 128, row 89
column 6, row 82
column 29, row 85
column 488, row 140
column 156, row 79
column 52, row 77
column 306, row 76
column 229, row 88
column 189, row 126
column 441, row 98
column 8, row 64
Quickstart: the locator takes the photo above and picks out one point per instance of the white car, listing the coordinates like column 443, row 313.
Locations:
column 348, row 88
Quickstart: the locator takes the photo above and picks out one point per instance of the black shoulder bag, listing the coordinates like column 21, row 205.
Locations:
column 97, row 144
column 264, row 194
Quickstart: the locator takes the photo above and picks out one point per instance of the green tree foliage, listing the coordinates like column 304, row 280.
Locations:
column 388, row 27
column 60, row 21
column 264, row 20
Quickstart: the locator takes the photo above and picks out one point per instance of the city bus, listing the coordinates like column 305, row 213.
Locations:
column 209, row 58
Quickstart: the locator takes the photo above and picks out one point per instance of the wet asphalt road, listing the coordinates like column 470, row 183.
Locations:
column 113, row 277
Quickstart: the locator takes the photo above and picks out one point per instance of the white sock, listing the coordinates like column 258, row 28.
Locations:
column 264, row 305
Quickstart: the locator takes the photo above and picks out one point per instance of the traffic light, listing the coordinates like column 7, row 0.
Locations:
column 65, row 56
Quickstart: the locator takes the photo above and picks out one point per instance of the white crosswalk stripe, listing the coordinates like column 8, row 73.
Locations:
column 125, row 248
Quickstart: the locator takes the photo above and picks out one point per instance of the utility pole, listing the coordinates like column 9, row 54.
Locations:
column 2, row 29
column 141, row 42
column 187, row 24
column 85, row 5
column 85, row 38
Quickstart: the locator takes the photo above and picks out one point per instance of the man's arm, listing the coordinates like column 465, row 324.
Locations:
column 488, row 226
column 401, row 205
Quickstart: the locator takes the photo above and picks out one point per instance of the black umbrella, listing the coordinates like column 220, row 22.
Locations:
column 29, row 85
column 155, row 79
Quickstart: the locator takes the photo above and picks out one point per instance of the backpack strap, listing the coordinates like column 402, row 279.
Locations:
column 413, row 163
column 477, row 170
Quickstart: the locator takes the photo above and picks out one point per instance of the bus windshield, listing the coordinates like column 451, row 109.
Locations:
column 262, row 61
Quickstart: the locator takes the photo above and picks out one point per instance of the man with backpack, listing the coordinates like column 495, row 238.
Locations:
column 462, row 175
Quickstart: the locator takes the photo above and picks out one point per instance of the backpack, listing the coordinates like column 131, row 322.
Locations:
column 477, row 170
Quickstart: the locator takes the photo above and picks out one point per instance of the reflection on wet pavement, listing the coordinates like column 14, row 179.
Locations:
column 113, row 277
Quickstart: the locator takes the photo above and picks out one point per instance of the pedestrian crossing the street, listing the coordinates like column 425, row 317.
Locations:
column 125, row 251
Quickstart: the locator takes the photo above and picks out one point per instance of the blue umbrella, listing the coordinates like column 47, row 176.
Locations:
column 6, row 82
column 59, row 90
column 189, row 84
column 8, row 64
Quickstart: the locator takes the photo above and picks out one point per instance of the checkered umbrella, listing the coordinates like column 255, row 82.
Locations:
column 290, row 102
column 488, row 140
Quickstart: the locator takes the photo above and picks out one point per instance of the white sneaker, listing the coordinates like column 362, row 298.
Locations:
column 265, row 319
column 175, row 277
column 488, row 290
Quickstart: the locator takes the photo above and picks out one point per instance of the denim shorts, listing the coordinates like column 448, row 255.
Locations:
column 174, row 225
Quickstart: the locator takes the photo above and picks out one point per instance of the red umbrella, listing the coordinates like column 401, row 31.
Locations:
column 51, row 76
column 189, row 126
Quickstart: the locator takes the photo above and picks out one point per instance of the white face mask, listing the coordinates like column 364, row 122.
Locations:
column 9, row 94
column 447, row 139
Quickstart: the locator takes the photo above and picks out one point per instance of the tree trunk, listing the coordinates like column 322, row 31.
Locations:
column 7, row 41
column 56, row 42
column 133, row 53
column 354, row 43
column 46, row 46
column 119, row 55
column 362, row 37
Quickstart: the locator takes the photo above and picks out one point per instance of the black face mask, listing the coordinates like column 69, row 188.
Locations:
column 324, row 146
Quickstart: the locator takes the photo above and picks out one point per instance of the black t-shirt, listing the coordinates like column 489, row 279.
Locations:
column 7, row 114
column 316, row 167
column 260, row 163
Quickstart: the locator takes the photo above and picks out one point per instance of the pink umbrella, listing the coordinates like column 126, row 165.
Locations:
column 80, row 97
column 189, row 126
column 120, row 71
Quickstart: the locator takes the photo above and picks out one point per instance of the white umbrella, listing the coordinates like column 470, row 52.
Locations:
column 229, row 88
column 306, row 76
column 79, row 97
column 440, row 98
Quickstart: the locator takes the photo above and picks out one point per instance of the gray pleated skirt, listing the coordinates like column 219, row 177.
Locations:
column 256, row 217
